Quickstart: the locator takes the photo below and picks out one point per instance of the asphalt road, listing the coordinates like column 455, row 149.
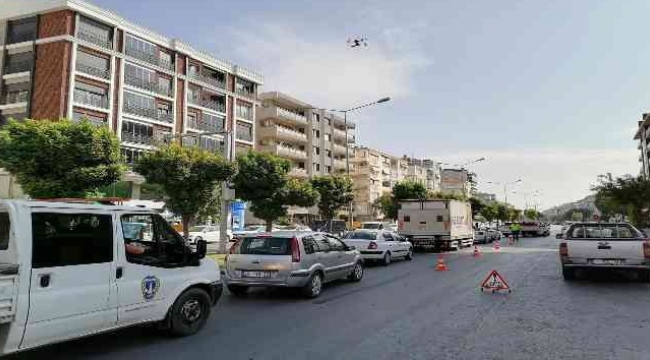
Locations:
column 410, row 311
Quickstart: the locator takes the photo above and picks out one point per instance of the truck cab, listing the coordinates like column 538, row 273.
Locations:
column 69, row 270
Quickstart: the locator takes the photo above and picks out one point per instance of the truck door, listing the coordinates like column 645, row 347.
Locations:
column 71, row 261
column 151, row 266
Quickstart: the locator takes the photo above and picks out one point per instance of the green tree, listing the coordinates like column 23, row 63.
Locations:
column 262, row 180
column 53, row 159
column 576, row 216
column 188, row 177
column 531, row 214
column 445, row 196
column 627, row 194
column 502, row 212
column 489, row 212
column 477, row 205
column 387, row 205
column 335, row 192
column 409, row 190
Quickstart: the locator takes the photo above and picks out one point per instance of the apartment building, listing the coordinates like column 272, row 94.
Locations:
column 374, row 173
column 455, row 181
column 71, row 59
column 643, row 136
column 315, row 141
column 432, row 177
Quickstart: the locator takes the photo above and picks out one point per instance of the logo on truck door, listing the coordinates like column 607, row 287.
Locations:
column 149, row 287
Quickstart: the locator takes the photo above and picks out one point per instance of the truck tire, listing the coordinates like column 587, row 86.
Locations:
column 387, row 259
column 644, row 276
column 190, row 312
column 568, row 274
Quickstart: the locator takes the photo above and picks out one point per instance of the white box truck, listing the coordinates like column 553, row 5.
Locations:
column 436, row 224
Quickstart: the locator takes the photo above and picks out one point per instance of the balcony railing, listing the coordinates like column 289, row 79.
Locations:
column 91, row 70
column 14, row 67
column 245, row 93
column 199, row 124
column 15, row 97
column 246, row 136
column 93, row 38
column 209, row 80
column 148, row 57
column 338, row 148
column 210, row 104
column 288, row 114
column 155, row 140
column 338, row 163
column 89, row 98
column 148, row 85
column 289, row 152
column 151, row 113
column 289, row 134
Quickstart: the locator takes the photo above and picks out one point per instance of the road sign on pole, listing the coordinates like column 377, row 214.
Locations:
column 495, row 282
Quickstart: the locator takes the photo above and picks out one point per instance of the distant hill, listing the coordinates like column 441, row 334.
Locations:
column 584, row 203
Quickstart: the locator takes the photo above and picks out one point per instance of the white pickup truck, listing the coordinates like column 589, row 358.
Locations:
column 604, row 246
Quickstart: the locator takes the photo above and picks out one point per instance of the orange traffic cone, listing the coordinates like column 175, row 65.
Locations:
column 441, row 266
column 497, row 246
column 476, row 253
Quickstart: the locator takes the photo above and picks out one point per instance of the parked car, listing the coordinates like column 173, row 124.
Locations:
column 614, row 246
column 486, row 236
column 209, row 233
column 379, row 245
column 303, row 260
column 250, row 229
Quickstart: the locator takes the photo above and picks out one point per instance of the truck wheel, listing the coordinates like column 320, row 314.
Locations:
column 237, row 290
column 357, row 272
column 409, row 255
column 314, row 286
column 190, row 312
column 644, row 276
column 387, row 259
column 568, row 274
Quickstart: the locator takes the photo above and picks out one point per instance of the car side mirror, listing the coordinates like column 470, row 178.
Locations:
column 351, row 247
column 559, row 236
column 201, row 248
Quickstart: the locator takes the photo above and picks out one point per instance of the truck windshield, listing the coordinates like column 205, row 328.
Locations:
column 4, row 230
column 265, row 246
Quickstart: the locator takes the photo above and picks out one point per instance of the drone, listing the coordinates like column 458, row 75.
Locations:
column 357, row 42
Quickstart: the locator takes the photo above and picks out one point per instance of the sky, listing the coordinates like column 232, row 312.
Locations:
column 548, row 92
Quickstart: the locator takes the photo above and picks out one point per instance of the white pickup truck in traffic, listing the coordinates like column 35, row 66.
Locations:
column 604, row 246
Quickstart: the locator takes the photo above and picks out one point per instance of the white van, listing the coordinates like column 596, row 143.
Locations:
column 69, row 270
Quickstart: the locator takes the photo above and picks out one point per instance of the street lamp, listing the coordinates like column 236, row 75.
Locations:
column 505, row 187
column 347, row 147
column 527, row 195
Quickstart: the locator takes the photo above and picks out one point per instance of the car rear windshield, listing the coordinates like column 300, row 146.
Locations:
column 604, row 231
column 361, row 235
column 265, row 246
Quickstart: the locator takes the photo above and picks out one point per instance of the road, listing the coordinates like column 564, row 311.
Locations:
column 410, row 311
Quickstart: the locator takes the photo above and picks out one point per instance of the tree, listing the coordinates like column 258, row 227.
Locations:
column 627, row 194
column 477, row 205
column 502, row 212
column 188, row 177
column 446, row 196
column 55, row 159
column 489, row 212
column 387, row 205
column 335, row 192
column 576, row 216
column 262, row 180
column 409, row 190
column 531, row 214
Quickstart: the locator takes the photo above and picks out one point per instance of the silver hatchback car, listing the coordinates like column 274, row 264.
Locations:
column 290, row 259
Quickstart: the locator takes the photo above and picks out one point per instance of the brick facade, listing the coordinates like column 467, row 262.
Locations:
column 180, row 104
column 56, row 23
column 51, row 80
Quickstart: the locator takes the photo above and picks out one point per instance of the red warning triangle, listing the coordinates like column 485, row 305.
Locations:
column 495, row 282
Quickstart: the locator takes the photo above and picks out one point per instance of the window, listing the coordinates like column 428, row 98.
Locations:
column 407, row 218
column 328, row 169
column 329, row 121
column 193, row 70
column 95, row 32
column 94, row 119
column 439, row 218
column 165, row 58
column 315, row 117
column 317, row 167
column 387, row 237
column 317, row 134
column 328, row 153
column 133, row 100
column 328, row 137
column 71, row 239
column 309, row 244
column 165, row 85
column 244, row 111
column 5, row 226
column 265, row 246
column 322, row 243
column 301, row 165
column 362, row 235
column 316, row 150
column 21, row 30
column 164, row 109
column 143, row 75
column 244, row 131
column 335, row 244
column 139, row 47
column 150, row 240
column 93, row 65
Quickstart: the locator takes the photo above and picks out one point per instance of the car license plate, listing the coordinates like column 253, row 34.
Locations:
column 256, row 274
column 606, row 261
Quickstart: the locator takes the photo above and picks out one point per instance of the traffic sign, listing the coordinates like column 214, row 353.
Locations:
column 495, row 282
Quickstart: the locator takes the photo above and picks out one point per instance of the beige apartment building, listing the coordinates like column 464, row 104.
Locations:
column 642, row 135
column 315, row 140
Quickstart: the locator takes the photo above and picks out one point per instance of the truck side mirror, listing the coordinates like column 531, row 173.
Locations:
column 201, row 248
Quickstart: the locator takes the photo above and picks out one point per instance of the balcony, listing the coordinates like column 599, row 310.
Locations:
column 207, row 126
column 338, row 149
column 282, row 133
column 338, row 163
column 221, row 84
column 209, row 104
column 93, row 71
column 15, row 97
column 298, row 173
column 97, row 39
column 290, row 115
column 147, row 140
column 287, row 152
column 339, row 134
column 14, row 67
column 151, row 113
column 90, row 98
column 147, row 85
column 246, row 136
column 245, row 93
column 148, row 57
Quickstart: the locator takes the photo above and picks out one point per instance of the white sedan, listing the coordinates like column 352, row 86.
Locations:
column 209, row 233
column 379, row 245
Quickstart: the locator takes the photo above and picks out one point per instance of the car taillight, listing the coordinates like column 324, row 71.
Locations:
column 646, row 249
column 235, row 246
column 295, row 250
column 564, row 250
column 372, row 245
